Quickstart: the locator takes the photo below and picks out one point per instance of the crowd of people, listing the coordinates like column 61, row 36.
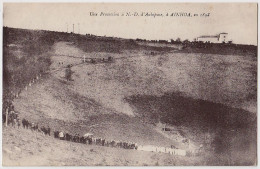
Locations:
column 86, row 139
column 89, row 139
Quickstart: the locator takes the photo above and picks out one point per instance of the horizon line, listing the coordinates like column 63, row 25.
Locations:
column 120, row 37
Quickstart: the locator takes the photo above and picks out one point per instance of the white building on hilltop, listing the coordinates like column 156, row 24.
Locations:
column 220, row 38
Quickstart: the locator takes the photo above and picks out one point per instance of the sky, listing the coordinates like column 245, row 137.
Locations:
column 239, row 20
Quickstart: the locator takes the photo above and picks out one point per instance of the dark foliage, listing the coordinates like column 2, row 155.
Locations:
column 25, row 55
column 231, row 127
column 221, row 49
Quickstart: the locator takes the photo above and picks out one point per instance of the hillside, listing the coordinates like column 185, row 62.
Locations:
column 209, row 99
column 23, row 147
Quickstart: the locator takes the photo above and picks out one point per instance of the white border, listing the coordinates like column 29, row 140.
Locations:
column 129, row 1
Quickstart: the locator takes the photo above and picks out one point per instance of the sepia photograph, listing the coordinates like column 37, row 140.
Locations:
column 129, row 84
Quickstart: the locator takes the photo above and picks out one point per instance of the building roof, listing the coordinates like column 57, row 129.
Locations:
column 212, row 36
column 208, row 36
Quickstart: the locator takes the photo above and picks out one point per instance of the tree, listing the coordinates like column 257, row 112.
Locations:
column 186, row 41
column 178, row 40
column 230, row 42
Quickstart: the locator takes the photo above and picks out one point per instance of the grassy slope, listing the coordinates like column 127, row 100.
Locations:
column 26, row 148
column 61, row 108
column 97, row 94
column 57, row 101
column 229, row 80
column 96, row 97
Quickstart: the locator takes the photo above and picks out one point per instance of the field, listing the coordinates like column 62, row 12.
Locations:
column 199, row 94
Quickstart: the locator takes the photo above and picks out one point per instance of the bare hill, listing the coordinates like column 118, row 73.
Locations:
column 197, row 94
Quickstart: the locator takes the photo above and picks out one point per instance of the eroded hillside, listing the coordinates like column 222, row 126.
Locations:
column 127, row 98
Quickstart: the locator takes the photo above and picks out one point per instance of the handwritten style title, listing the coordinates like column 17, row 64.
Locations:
column 151, row 14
